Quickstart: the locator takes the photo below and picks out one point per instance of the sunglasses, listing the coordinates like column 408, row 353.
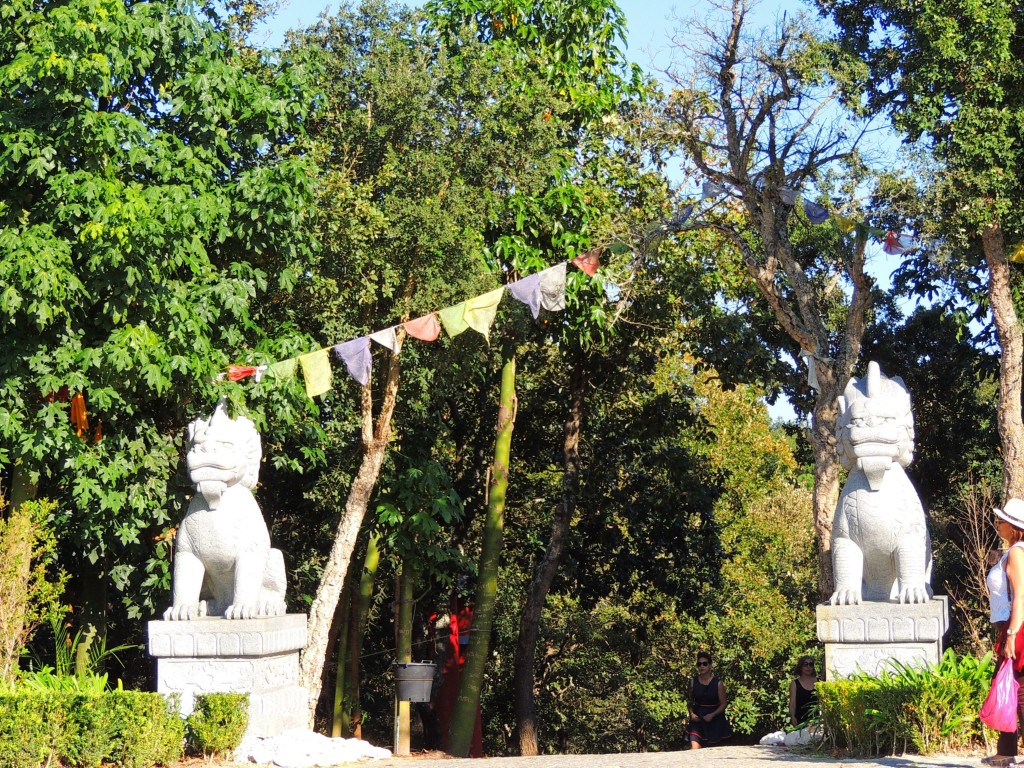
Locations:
column 703, row 663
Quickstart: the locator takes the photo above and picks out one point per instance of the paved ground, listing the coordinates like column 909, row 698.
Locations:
column 718, row 757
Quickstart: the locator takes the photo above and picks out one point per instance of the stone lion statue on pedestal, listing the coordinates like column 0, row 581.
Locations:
column 223, row 562
column 880, row 544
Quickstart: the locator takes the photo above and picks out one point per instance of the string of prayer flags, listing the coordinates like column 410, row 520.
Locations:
column 454, row 319
column 425, row 328
column 893, row 243
column 480, row 311
column 316, row 372
column 541, row 290
column 589, row 262
column 355, row 354
column 283, row 369
column 896, row 244
column 816, row 214
column 386, row 338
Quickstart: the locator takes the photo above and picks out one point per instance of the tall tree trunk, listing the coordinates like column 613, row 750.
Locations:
column 343, row 619
column 825, row 494
column 464, row 714
column 1008, row 330
column 375, row 443
column 362, row 613
column 403, row 651
column 529, row 622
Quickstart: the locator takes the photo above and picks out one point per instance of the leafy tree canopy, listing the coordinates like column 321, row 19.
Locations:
column 144, row 205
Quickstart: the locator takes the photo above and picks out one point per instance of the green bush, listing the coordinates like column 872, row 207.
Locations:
column 27, row 737
column 218, row 724
column 80, row 730
column 147, row 729
column 908, row 710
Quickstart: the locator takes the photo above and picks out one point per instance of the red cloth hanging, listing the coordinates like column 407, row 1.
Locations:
column 239, row 372
column 588, row 262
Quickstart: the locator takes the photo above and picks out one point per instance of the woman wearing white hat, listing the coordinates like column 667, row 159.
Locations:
column 1006, row 610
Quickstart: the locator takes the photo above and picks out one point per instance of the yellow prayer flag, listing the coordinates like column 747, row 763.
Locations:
column 480, row 312
column 1017, row 257
column 316, row 371
column 845, row 224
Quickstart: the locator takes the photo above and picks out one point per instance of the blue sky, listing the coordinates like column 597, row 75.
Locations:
column 651, row 22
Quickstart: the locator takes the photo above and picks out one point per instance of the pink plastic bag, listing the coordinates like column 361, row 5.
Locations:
column 1000, row 708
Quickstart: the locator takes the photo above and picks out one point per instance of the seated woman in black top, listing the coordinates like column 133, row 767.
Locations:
column 803, row 699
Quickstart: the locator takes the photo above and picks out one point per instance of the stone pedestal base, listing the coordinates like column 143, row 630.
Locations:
column 216, row 655
column 865, row 637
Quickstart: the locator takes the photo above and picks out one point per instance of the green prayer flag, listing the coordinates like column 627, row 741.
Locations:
column 453, row 319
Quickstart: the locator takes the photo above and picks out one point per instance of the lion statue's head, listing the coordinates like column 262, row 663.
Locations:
column 222, row 452
column 876, row 425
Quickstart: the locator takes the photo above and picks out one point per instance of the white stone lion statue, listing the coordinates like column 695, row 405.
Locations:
column 223, row 562
column 880, row 544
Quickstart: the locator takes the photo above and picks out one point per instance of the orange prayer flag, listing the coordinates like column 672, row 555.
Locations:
column 78, row 415
column 426, row 328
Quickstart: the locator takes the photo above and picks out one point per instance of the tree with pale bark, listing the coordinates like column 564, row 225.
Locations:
column 759, row 120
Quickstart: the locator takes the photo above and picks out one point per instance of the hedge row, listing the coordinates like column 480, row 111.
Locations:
column 131, row 729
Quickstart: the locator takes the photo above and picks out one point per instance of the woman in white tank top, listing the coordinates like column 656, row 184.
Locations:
column 1006, row 610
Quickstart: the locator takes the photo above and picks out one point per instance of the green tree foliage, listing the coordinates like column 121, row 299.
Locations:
column 144, row 205
column 573, row 46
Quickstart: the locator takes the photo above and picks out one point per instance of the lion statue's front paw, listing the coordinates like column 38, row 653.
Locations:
column 848, row 596
column 186, row 611
column 254, row 610
column 914, row 594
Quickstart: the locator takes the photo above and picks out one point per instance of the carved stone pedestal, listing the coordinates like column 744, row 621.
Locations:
column 863, row 638
column 217, row 655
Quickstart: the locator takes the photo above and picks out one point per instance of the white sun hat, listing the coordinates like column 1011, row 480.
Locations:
column 1012, row 512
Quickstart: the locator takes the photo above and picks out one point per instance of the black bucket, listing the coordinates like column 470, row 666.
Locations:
column 413, row 680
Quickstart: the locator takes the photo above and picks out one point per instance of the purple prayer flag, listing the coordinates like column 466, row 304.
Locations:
column 527, row 291
column 357, row 358
column 816, row 214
